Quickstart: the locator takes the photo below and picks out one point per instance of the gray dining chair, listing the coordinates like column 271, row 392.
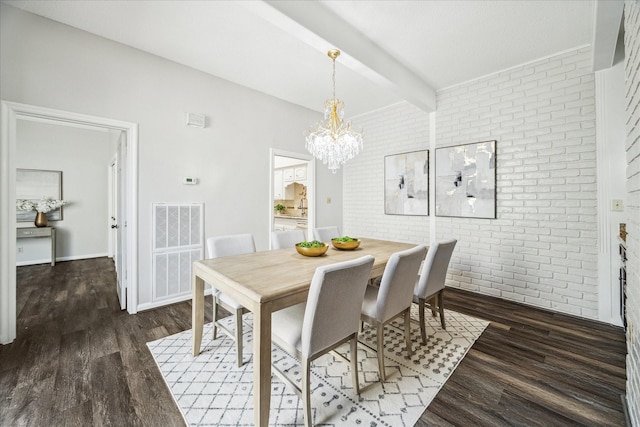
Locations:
column 287, row 238
column 393, row 297
column 220, row 246
column 325, row 234
column 329, row 318
column 430, row 283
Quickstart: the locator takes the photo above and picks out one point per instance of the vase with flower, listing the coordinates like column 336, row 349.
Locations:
column 41, row 207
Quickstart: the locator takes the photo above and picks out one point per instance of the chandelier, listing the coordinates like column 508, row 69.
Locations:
column 332, row 140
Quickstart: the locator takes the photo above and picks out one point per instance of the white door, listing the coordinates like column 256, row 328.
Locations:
column 113, row 210
column 118, row 219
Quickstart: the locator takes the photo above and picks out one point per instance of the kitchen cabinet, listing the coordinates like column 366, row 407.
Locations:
column 284, row 179
column 278, row 189
column 300, row 173
column 289, row 223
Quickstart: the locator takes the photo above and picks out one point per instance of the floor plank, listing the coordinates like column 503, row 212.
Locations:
column 78, row 360
column 553, row 369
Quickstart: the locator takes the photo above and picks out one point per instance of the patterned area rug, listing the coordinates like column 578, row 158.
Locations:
column 211, row 390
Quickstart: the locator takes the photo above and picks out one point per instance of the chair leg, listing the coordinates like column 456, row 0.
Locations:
column 407, row 330
column 432, row 303
column 380, row 333
column 239, row 336
column 423, row 332
column 354, row 364
column 215, row 317
column 306, row 393
column 441, row 308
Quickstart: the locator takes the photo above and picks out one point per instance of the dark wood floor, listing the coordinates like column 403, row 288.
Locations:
column 79, row 360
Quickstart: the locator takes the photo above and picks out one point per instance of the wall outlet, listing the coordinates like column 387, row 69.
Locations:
column 20, row 249
column 617, row 205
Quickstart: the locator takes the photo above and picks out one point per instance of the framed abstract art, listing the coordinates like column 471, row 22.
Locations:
column 466, row 180
column 406, row 183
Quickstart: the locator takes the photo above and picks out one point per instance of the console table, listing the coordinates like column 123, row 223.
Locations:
column 28, row 232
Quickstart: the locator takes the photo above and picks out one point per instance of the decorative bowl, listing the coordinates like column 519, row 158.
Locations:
column 346, row 246
column 312, row 251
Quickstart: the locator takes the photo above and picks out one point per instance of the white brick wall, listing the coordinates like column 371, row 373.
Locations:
column 542, row 248
column 632, row 78
column 396, row 129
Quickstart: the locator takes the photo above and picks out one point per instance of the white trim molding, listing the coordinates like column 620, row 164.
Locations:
column 10, row 113
column 311, row 187
column 608, row 287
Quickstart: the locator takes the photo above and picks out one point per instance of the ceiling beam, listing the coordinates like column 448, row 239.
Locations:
column 606, row 26
column 321, row 28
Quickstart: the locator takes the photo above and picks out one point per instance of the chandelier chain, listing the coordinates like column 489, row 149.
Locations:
column 334, row 78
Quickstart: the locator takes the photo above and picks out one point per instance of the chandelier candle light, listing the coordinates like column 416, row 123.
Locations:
column 333, row 141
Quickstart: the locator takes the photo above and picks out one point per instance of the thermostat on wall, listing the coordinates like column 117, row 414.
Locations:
column 190, row 181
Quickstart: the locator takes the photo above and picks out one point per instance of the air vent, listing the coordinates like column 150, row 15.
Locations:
column 196, row 120
column 177, row 243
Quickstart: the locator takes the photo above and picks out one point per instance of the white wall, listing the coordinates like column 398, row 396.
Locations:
column 632, row 107
column 83, row 156
column 329, row 198
column 52, row 65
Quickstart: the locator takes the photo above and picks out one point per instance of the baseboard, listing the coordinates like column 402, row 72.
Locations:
column 169, row 301
column 537, row 307
column 59, row 259
column 625, row 409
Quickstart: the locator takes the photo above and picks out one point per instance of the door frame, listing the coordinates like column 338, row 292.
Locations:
column 311, row 187
column 10, row 113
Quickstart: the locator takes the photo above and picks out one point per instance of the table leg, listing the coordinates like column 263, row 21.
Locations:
column 262, row 364
column 53, row 247
column 197, row 313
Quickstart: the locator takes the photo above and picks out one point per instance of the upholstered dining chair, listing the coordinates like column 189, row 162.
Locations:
column 393, row 297
column 430, row 283
column 325, row 234
column 329, row 318
column 287, row 238
column 220, row 246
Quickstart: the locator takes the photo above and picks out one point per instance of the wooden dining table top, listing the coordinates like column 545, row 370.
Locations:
column 271, row 275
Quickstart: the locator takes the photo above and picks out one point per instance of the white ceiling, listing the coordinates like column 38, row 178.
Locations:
column 392, row 50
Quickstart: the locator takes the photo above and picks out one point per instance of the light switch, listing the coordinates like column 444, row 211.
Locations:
column 617, row 205
column 328, row 200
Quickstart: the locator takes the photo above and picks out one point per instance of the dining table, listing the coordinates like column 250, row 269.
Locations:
column 267, row 281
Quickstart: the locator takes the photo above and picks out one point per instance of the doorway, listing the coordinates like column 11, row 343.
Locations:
column 292, row 199
column 12, row 113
